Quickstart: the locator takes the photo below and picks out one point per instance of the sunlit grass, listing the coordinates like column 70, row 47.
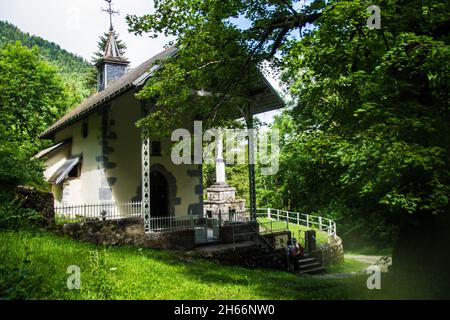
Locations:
column 298, row 231
column 348, row 266
column 33, row 265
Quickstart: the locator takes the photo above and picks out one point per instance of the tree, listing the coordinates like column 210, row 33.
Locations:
column 73, row 69
column 32, row 94
column 215, row 55
column 372, row 122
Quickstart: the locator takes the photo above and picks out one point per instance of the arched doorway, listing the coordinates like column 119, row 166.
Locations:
column 159, row 197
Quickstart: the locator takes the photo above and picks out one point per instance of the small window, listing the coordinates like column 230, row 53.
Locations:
column 85, row 129
column 156, row 148
column 75, row 172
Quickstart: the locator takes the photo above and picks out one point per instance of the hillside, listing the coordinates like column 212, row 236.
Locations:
column 74, row 69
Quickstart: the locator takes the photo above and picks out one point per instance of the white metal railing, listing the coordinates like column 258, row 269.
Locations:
column 115, row 211
column 158, row 224
column 97, row 211
column 308, row 220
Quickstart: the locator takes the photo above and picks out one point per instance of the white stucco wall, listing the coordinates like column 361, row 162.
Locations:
column 119, row 169
column 78, row 190
column 125, row 112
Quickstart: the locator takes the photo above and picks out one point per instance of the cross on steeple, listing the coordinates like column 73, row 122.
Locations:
column 110, row 11
column 112, row 65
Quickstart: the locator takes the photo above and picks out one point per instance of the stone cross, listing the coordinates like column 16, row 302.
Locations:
column 220, row 163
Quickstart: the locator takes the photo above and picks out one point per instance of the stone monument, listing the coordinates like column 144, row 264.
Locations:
column 221, row 202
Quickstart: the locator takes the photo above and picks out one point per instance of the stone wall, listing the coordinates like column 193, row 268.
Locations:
column 249, row 257
column 127, row 232
column 39, row 201
column 331, row 253
column 242, row 231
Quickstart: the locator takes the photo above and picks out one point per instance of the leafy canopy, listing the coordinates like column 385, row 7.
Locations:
column 215, row 55
column 32, row 94
column 367, row 139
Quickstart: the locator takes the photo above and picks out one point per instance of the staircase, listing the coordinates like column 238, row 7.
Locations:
column 310, row 265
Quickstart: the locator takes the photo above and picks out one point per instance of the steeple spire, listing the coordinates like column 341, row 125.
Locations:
column 112, row 65
column 111, row 48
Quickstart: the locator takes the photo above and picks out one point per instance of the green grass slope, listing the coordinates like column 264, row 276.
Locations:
column 33, row 265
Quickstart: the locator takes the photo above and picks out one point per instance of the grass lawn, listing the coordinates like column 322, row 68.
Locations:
column 33, row 266
column 348, row 266
column 321, row 236
column 369, row 250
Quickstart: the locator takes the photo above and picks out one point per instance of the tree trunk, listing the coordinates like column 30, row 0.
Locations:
column 421, row 256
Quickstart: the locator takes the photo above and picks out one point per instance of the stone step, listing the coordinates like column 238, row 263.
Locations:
column 309, row 265
column 209, row 243
column 312, row 271
column 306, row 260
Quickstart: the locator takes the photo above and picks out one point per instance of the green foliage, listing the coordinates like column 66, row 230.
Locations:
column 367, row 141
column 31, row 92
column 32, row 96
column 14, row 217
column 73, row 69
column 214, row 55
column 14, row 279
column 16, row 168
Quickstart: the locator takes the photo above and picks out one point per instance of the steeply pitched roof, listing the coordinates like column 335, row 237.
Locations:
column 128, row 81
column 112, row 52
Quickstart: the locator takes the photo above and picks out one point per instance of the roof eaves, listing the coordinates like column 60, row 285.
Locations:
column 275, row 92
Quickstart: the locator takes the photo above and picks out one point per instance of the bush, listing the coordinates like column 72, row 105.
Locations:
column 17, row 168
column 14, row 216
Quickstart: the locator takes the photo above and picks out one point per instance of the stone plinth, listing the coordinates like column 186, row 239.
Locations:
column 222, row 198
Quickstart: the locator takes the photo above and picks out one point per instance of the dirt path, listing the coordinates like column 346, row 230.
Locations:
column 382, row 261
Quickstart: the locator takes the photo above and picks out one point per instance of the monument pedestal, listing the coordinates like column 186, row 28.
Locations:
column 222, row 199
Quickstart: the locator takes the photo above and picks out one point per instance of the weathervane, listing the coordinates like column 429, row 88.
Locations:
column 110, row 11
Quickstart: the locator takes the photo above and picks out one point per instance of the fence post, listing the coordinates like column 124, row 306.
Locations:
column 278, row 214
column 329, row 228
column 307, row 220
column 320, row 223
column 268, row 213
column 298, row 218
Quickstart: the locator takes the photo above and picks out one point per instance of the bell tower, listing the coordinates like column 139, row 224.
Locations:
column 112, row 65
